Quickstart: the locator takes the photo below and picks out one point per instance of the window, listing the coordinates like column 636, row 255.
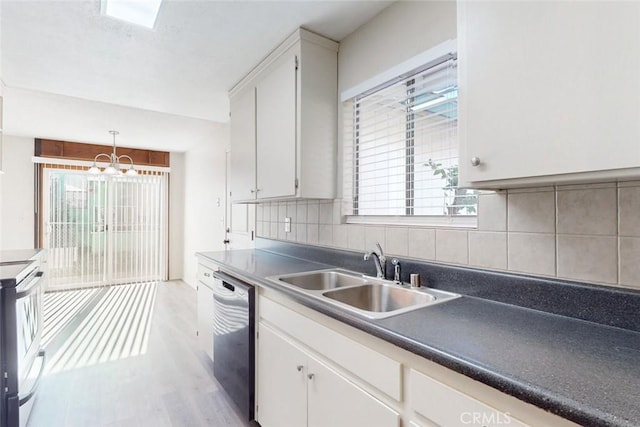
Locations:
column 404, row 157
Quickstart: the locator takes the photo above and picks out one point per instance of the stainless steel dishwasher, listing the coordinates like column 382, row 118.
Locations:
column 234, row 340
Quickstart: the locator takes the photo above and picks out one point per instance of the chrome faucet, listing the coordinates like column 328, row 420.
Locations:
column 379, row 260
column 396, row 271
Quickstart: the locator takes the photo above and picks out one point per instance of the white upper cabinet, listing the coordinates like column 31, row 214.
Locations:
column 549, row 92
column 242, row 161
column 288, row 149
column 276, row 129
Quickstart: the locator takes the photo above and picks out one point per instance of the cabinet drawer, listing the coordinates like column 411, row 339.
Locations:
column 449, row 407
column 376, row 369
column 205, row 275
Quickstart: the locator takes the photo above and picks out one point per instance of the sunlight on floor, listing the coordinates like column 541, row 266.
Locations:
column 116, row 327
column 60, row 308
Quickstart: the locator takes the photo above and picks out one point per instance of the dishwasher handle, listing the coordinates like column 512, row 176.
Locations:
column 227, row 280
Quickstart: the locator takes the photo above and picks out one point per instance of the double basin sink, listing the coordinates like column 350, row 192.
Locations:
column 371, row 297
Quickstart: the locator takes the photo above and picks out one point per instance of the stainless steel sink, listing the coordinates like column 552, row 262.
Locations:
column 323, row 280
column 367, row 296
column 380, row 298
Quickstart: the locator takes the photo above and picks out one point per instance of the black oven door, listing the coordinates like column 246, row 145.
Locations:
column 24, row 360
column 28, row 324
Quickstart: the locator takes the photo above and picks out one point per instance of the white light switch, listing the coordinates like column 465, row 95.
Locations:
column 287, row 225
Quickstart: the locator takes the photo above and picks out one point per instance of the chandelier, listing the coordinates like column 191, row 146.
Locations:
column 114, row 161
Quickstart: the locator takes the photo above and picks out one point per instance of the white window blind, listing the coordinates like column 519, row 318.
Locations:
column 103, row 230
column 403, row 159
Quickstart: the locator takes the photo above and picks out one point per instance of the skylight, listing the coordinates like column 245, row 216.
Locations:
column 139, row 12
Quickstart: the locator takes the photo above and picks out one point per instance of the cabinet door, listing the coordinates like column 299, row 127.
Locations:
column 242, row 166
column 334, row 401
column 205, row 318
column 241, row 226
column 446, row 406
column 545, row 90
column 276, row 129
column 281, row 387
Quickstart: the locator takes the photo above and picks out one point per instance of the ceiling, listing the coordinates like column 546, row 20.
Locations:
column 185, row 66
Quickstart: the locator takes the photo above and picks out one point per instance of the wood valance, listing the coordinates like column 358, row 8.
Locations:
column 80, row 151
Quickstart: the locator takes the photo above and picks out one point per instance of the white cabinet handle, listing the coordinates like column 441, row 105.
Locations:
column 475, row 161
column 207, row 275
column 255, row 191
column 310, row 376
column 299, row 368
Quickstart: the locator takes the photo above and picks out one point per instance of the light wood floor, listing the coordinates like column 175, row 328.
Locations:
column 157, row 377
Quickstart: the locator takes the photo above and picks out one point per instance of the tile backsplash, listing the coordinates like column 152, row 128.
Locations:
column 587, row 233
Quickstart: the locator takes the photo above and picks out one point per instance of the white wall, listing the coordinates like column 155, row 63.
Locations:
column 204, row 186
column 47, row 115
column 401, row 31
column 16, row 194
column 176, row 216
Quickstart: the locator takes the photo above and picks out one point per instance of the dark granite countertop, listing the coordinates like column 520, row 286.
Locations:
column 583, row 371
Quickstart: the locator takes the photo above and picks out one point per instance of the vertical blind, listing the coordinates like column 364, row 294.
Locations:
column 102, row 230
column 403, row 159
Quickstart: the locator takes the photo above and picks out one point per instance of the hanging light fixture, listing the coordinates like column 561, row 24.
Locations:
column 114, row 161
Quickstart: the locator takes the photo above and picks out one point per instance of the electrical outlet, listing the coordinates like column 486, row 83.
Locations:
column 287, row 225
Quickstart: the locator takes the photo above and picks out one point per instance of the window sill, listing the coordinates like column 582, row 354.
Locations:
column 415, row 221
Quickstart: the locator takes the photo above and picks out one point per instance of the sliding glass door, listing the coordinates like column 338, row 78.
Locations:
column 102, row 230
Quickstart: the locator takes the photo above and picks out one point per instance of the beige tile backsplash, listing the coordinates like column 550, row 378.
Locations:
column 373, row 235
column 312, row 234
column 629, row 260
column 629, row 211
column 593, row 258
column 326, row 212
column 588, row 233
column 532, row 212
column 533, row 253
column 488, row 249
column 452, row 246
column 397, row 241
column 325, row 235
column 340, row 237
column 313, row 212
column 587, row 211
column 355, row 237
column 422, row 243
column 492, row 212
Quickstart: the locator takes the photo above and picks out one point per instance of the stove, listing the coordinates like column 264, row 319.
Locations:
column 21, row 317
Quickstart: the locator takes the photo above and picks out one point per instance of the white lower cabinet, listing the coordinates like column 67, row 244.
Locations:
column 282, row 381
column 315, row 371
column 205, row 309
column 446, row 406
column 296, row 389
column 332, row 400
